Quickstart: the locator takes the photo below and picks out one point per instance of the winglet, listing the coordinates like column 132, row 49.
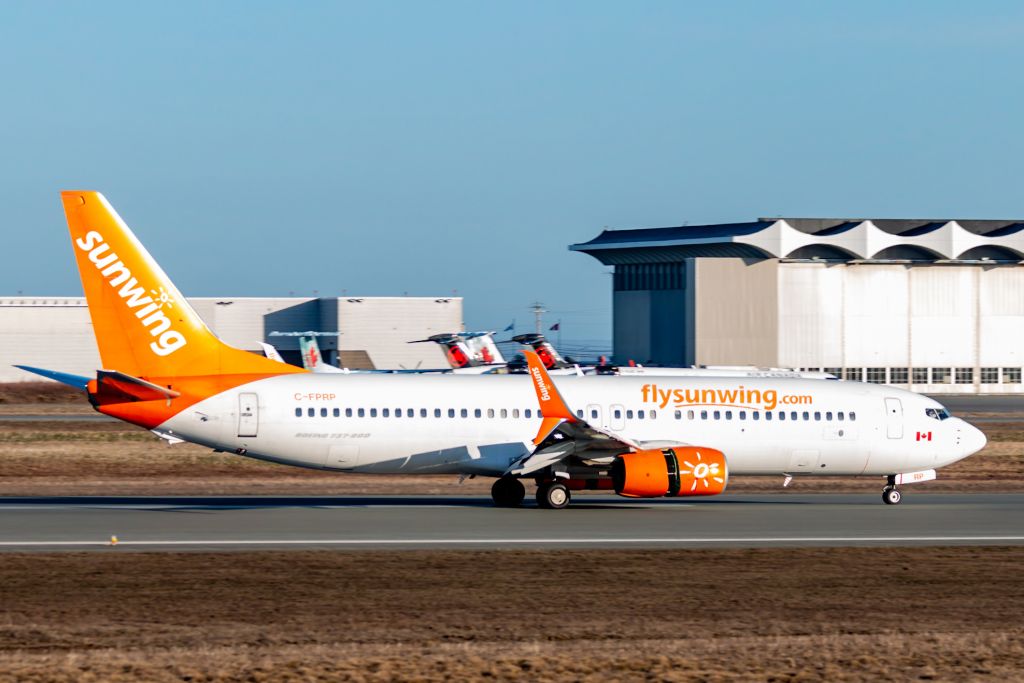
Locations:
column 553, row 408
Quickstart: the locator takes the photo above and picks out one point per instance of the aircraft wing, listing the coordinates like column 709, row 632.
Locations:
column 563, row 434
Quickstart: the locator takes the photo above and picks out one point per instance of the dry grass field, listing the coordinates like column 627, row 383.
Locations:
column 676, row 615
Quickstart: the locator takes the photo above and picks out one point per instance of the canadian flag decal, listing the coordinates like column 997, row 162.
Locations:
column 924, row 436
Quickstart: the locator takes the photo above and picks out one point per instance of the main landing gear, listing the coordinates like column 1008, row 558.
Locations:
column 508, row 492
column 890, row 494
column 552, row 495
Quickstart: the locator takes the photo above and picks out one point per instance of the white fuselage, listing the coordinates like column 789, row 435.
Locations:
column 480, row 425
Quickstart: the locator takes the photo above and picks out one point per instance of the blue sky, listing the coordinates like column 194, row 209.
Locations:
column 425, row 148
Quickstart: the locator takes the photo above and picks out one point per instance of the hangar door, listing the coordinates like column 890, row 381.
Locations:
column 248, row 414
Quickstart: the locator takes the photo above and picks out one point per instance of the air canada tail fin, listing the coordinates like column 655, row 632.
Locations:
column 144, row 327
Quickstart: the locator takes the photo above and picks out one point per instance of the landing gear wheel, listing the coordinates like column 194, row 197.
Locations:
column 891, row 495
column 552, row 495
column 508, row 492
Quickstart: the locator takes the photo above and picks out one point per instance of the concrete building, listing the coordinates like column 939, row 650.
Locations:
column 56, row 332
column 933, row 305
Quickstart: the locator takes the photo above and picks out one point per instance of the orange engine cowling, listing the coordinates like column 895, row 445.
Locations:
column 680, row 471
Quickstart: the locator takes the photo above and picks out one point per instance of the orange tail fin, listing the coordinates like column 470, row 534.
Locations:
column 144, row 327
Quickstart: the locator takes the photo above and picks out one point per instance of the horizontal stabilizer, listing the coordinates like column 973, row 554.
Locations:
column 117, row 387
column 76, row 381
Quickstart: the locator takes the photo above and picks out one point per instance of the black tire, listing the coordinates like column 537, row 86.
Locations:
column 891, row 495
column 508, row 492
column 553, row 495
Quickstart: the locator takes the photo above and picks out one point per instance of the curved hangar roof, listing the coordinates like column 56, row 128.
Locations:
column 829, row 239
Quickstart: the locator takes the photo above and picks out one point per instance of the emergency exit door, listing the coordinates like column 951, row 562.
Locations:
column 248, row 414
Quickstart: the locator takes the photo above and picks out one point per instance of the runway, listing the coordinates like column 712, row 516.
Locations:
column 443, row 522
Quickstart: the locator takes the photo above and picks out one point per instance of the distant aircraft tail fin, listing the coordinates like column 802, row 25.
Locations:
column 144, row 327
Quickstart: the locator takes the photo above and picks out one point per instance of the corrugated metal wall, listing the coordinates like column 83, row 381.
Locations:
column 960, row 326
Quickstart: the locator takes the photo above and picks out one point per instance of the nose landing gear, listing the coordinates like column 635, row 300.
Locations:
column 890, row 494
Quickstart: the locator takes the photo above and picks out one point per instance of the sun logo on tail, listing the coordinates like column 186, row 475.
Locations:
column 162, row 298
column 703, row 471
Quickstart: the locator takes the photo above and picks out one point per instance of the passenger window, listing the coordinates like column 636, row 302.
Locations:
column 373, row 412
column 817, row 416
column 728, row 415
column 362, row 412
column 437, row 412
column 490, row 412
column 348, row 412
column 782, row 415
column 654, row 414
column 451, row 412
column 464, row 412
column 337, row 412
column 807, row 416
column 853, row 416
column 527, row 413
column 792, row 415
column 618, row 414
column 743, row 415
column 579, row 414
column 718, row 414
column 629, row 414
column 840, row 415
column 755, row 416
column 515, row 413
column 593, row 414
column 298, row 412
column 768, row 416
column 409, row 412
column 477, row 413
column 423, row 412
column 828, row 416
column 703, row 414
column 504, row 413
column 398, row 412
column 311, row 412
column 689, row 414
column 679, row 415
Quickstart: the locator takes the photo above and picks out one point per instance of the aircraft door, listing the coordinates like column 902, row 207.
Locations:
column 617, row 417
column 595, row 415
column 894, row 418
column 248, row 415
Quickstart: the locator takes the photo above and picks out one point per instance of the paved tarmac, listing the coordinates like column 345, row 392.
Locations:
column 248, row 523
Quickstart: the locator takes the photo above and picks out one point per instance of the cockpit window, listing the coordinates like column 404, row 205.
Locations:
column 937, row 413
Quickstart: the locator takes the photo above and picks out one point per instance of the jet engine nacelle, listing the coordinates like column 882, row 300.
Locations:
column 679, row 471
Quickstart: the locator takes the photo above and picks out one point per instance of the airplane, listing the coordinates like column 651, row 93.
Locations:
column 641, row 437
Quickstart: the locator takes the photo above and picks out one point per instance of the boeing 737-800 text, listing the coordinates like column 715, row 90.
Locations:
column 639, row 436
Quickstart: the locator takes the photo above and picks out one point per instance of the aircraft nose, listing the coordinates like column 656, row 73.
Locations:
column 972, row 439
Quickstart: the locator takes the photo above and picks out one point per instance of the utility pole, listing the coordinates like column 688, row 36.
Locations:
column 538, row 313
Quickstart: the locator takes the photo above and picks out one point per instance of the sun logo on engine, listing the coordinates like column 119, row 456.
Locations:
column 162, row 298
column 702, row 471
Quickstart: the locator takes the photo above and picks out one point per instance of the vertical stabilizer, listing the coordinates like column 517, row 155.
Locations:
column 143, row 325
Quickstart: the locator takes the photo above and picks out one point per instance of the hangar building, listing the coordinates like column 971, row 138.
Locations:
column 932, row 305
column 56, row 333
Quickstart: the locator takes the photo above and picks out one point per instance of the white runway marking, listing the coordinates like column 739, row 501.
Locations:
column 514, row 541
